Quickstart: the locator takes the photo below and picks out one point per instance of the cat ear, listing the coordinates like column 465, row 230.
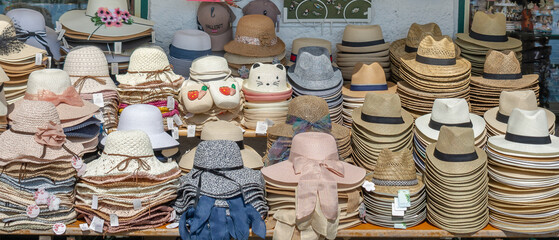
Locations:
column 281, row 67
column 256, row 65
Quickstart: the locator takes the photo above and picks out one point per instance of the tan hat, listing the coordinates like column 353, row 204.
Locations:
column 362, row 39
column 307, row 42
column 395, row 171
column 368, row 78
column 15, row 50
column 490, row 31
column 195, row 97
column 502, row 69
column 416, row 33
column 382, row 114
column 148, row 64
column 255, row 37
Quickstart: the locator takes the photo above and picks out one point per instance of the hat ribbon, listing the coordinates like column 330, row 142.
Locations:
column 437, row 125
column 496, row 76
column 156, row 74
column 409, row 49
column 362, row 44
column 382, row 182
column 382, row 120
column 40, row 36
column 70, row 96
column 435, row 61
column 51, row 135
column 266, row 40
column 123, row 164
column 214, row 171
column 371, row 87
column 488, row 38
column 293, row 58
column 449, row 157
column 187, row 54
column 527, row 139
column 502, row 117
column 82, row 79
column 317, row 178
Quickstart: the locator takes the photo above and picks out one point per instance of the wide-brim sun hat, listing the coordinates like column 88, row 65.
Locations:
column 255, row 37
column 16, row 50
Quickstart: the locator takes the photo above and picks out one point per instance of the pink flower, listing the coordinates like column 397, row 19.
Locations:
column 125, row 14
column 117, row 12
column 103, row 12
column 50, row 135
column 118, row 24
column 104, row 19
column 109, row 24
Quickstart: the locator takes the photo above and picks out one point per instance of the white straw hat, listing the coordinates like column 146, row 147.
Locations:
column 147, row 64
column 87, row 67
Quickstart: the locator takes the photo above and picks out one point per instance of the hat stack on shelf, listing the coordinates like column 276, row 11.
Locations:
column 109, row 196
column 524, row 168
column 314, row 75
column 219, row 198
column 303, row 203
column 267, row 94
column 435, row 71
column 39, row 169
column 3, row 102
column 186, row 46
column 501, row 72
column 255, row 41
column 395, row 178
column 380, row 124
column 211, row 93
column 362, row 44
column 488, row 32
column 304, row 114
column 366, row 78
column 452, row 112
column 216, row 19
column 150, row 80
column 308, row 42
column 87, row 67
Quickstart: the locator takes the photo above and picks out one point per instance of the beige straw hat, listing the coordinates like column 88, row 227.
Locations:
column 362, row 39
column 382, row 114
column 395, row 171
column 209, row 68
column 490, row 31
column 255, row 37
column 368, row 78
column 148, row 64
column 307, row 42
column 502, row 69
column 416, row 33
column 87, row 67
column 15, row 50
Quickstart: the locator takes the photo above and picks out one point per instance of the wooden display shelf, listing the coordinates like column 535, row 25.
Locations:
column 248, row 133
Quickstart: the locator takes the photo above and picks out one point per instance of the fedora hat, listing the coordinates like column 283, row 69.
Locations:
column 215, row 18
column 502, row 69
column 255, row 37
column 189, row 44
column 222, row 130
column 416, row 33
column 362, row 39
column 307, row 42
column 87, row 68
column 382, row 114
column 262, row 7
column 368, row 78
column 15, row 50
column 96, row 19
column 314, row 70
column 267, row 78
column 489, row 31
column 148, row 64
column 209, row 68
column 449, row 112
column 395, row 171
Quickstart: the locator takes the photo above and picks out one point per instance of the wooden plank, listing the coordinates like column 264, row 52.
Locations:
column 248, row 133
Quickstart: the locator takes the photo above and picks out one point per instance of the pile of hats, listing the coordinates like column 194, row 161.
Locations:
column 186, row 46
column 380, row 124
column 501, row 72
column 488, row 32
column 524, row 168
column 216, row 19
column 313, row 194
column 3, row 102
column 314, row 75
column 304, row 114
column 150, row 80
column 365, row 79
column 255, row 41
column 219, row 198
column 435, row 71
column 127, row 188
column 457, row 182
column 39, row 169
column 267, row 94
column 452, row 112
column 362, row 44
column 498, row 117
column 398, row 198
column 211, row 93
column 308, row 42
column 87, row 67
column 403, row 46
column 17, row 60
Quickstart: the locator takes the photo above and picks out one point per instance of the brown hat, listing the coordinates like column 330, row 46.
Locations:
column 215, row 18
column 368, row 78
column 502, row 69
column 395, row 171
column 262, row 7
column 490, row 31
column 255, row 37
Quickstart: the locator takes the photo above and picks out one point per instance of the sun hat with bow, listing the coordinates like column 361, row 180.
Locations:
column 255, row 37
column 148, row 64
column 368, row 78
column 362, row 39
column 314, row 70
column 489, row 30
column 216, row 18
column 14, row 50
column 87, row 67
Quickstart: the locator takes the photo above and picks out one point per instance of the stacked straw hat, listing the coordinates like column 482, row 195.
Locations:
column 216, row 19
column 211, row 93
column 150, row 80
column 307, row 42
column 305, row 204
column 523, row 171
column 380, row 124
column 186, row 46
column 435, row 71
column 488, row 32
column 304, row 114
column 3, row 102
column 452, row 112
column 219, row 193
column 498, row 117
column 366, row 78
column 314, row 75
column 362, row 44
column 395, row 177
column 457, row 182
column 501, row 72
column 127, row 184
column 267, row 94
column 255, row 41
column 39, row 169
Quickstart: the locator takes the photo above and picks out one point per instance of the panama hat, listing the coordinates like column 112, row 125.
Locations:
column 216, row 18
column 395, row 171
column 368, row 78
column 416, row 33
column 87, row 67
column 362, row 38
column 307, row 42
column 255, row 37
column 267, row 78
column 489, row 30
column 502, row 69
column 382, row 114
column 314, row 70
column 148, row 64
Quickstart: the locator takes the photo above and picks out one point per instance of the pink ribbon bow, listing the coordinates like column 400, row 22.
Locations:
column 50, row 135
column 70, row 96
column 317, row 179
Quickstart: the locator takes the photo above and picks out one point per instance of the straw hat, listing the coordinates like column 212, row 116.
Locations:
column 209, row 68
column 267, row 78
column 215, row 18
column 382, row 114
column 362, row 38
column 307, row 42
column 148, row 64
column 15, row 50
column 314, row 70
column 502, row 69
column 263, row 7
column 416, row 33
column 87, row 67
column 222, row 130
column 368, row 78
column 395, row 171
column 255, row 37
column 489, row 30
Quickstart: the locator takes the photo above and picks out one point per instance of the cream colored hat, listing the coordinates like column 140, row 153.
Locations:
column 307, row 42
column 362, row 39
column 148, row 64
column 222, row 130
column 267, row 78
column 209, row 68
column 87, row 67
column 15, row 50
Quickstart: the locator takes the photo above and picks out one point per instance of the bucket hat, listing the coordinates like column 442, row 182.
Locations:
column 362, row 39
column 267, row 78
column 307, row 42
column 215, row 19
column 148, row 64
column 255, row 37
column 87, row 67
column 502, row 69
column 368, row 78
column 314, row 70
column 263, row 7
column 489, row 30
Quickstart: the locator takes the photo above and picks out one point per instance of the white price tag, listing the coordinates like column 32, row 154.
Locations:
column 172, row 225
column 191, row 131
column 114, row 220
column 397, row 206
column 400, row 225
column 177, row 120
column 153, row 37
column 65, row 43
column 170, row 103
column 97, row 224
column 84, row 227
column 98, row 99
column 175, row 133
column 261, row 127
column 38, row 58
column 118, row 47
column 58, row 26
column 114, row 68
column 94, row 202
column 396, row 212
column 137, row 203
column 49, row 62
column 404, row 198
column 170, row 123
column 61, row 34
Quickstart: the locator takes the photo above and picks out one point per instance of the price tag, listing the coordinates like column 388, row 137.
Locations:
column 173, row 216
column 49, row 61
column 114, row 220
column 118, row 47
column 59, row 228
column 153, row 37
column 94, row 202
column 177, row 120
column 191, row 131
column 84, row 227
column 175, row 133
column 397, row 212
column 98, row 99
column 170, row 103
column 97, row 224
column 65, row 43
column 61, row 34
column 400, row 225
column 114, row 68
column 170, row 123
column 261, row 127
column 172, row 225
column 137, row 203
column 38, row 58
column 404, row 198
column 58, row 26
column 99, row 116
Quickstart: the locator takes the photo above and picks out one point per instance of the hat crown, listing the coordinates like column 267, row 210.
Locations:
column 209, row 64
column 440, row 47
column 54, row 80
column 27, row 19
column 368, row 74
column 191, row 39
column 313, row 64
column 267, row 77
column 86, row 61
column 382, row 105
column 29, row 115
column 504, row 62
column 221, row 130
column 395, row 166
column 450, row 111
column 489, row 24
column 94, row 5
column 218, row 154
column 143, row 117
column 256, row 26
column 264, row 7
column 417, row 32
column 314, row 145
column 528, row 123
column 307, row 107
column 215, row 17
column 149, row 58
column 362, row 33
column 309, row 42
column 525, row 100
column 133, row 143
column 455, row 140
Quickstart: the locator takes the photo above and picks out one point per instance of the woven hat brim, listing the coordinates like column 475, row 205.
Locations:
column 361, row 94
column 27, row 52
column 248, row 50
column 251, row 159
column 238, row 59
column 422, row 124
column 490, row 117
column 369, row 49
column 524, row 82
column 77, row 20
column 456, row 167
column 551, row 149
column 462, row 66
column 510, row 43
column 16, row 146
column 217, row 186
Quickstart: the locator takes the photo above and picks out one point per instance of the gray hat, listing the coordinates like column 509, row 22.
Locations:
column 313, row 70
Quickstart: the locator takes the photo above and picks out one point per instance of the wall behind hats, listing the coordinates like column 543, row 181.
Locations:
column 394, row 17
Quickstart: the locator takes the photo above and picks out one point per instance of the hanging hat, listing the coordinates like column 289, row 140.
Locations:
column 215, row 18
column 314, row 70
column 267, row 78
column 209, row 68
column 368, row 78
column 186, row 46
column 87, row 67
column 14, row 50
column 396, row 171
column 308, row 42
column 383, row 115
column 362, row 39
column 148, row 64
column 502, row 69
column 262, row 7
column 490, row 31
column 255, row 37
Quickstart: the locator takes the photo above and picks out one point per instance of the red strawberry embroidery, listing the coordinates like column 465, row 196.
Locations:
column 193, row 95
column 225, row 90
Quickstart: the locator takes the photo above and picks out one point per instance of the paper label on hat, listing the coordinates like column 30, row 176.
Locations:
column 97, row 224
column 173, row 215
column 94, row 202
column 137, row 203
column 261, row 127
column 172, row 225
column 400, row 225
column 397, row 206
column 114, row 68
column 368, row 186
column 118, row 47
column 396, row 212
column 58, row 26
column 84, row 227
column 49, row 62
column 98, row 99
column 59, row 228
column 177, row 120
column 153, row 37
column 38, row 58
column 65, row 43
column 191, row 131
column 170, row 103
column 170, row 124
column 175, row 133
column 114, row 220
column 61, row 34
column 404, row 198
